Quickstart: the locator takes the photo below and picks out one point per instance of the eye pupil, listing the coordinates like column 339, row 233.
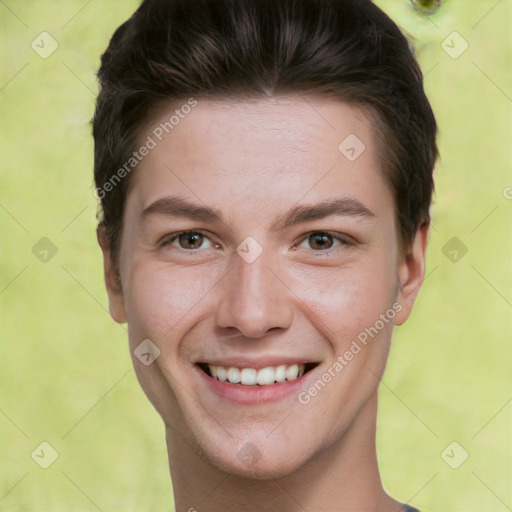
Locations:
column 190, row 238
column 321, row 238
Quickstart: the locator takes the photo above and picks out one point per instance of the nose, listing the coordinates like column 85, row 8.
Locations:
column 253, row 298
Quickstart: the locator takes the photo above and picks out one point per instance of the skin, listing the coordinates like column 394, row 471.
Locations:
column 253, row 161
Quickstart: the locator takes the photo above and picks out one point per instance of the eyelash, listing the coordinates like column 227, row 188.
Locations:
column 345, row 241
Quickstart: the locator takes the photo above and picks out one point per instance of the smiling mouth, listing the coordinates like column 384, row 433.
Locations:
column 257, row 377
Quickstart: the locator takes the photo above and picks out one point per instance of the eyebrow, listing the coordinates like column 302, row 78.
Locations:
column 175, row 206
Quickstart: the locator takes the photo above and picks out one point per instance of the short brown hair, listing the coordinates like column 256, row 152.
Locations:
column 347, row 49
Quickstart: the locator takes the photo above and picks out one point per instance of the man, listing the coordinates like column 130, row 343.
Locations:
column 265, row 176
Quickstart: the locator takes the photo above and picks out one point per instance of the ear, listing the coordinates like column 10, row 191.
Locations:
column 411, row 272
column 112, row 280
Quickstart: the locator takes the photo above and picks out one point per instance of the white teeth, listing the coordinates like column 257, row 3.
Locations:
column 249, row 377
column 266, row 376
column 280, row 373
column 222, row 374
column 234, row 375
column 292, row 372
column 252, row 376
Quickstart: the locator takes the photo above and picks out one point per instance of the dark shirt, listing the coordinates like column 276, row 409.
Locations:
column 408, row 508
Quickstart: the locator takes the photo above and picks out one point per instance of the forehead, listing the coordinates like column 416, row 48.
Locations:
column 258, row 155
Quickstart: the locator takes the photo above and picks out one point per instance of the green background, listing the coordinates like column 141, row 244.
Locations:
column 66, row 375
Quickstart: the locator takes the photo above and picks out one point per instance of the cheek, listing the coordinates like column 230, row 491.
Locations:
column 349, row 299
column 160, row 300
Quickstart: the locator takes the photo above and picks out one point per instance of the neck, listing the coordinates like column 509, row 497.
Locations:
column 342, row 477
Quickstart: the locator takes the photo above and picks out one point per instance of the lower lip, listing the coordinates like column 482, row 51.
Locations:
column 251, row 395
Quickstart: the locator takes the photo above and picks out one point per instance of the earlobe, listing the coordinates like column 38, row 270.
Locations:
column 112, row 281
column 411, row 272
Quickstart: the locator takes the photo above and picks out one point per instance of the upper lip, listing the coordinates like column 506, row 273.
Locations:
column 257, row 363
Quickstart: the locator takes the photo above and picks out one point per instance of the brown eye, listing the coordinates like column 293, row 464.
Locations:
column 191, row 240
column 325, row 243
column 320, row 241
column 188, row 241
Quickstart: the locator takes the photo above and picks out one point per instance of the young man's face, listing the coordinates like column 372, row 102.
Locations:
column 255, row 287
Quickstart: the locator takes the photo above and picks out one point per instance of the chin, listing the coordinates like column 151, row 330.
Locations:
column 250, row 462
